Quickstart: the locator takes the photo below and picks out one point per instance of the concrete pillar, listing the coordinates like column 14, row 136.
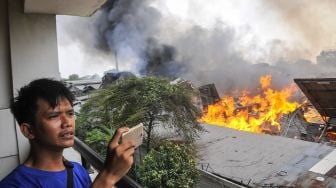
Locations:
column 33, row 49
column 28, row 50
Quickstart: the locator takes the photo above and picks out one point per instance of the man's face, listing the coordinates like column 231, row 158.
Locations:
column 55, row 127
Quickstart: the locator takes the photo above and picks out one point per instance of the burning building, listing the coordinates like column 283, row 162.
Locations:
column 278, row 112
column 321, row 93
column 111, row 78
column 261, row 160
column 208, row 94
column 255, row 113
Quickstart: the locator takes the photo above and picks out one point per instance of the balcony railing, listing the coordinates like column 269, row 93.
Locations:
column 89, row 156
column 207, row 179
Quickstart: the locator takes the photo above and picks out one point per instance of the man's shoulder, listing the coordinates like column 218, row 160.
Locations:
column 23, row 176
column 78, row 167
column 14, row 178
column 76, row 164
column 81, row 174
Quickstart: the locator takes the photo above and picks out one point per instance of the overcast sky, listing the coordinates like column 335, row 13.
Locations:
column 224, row 34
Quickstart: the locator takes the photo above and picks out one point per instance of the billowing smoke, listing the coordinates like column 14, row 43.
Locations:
column 147, row 40
column 312, row 22
column 130, row 30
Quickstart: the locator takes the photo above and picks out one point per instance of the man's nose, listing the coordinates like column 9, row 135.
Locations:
column 65, row 121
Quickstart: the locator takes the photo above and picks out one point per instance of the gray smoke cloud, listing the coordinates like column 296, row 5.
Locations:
column 146, row 42
column 313, row 21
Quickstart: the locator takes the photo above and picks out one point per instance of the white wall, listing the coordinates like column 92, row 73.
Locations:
column 8, row 149
column 28, row 50
column 8, row 141
column 33, row 47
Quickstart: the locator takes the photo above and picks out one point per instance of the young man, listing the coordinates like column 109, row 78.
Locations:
column 44, row 112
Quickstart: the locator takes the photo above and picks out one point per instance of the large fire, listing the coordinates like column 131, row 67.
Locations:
column 259, row 113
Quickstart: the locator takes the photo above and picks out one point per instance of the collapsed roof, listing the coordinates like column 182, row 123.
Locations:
column 321, row 93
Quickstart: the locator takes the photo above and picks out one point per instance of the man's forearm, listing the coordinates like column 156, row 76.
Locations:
column 105, row 179
column 119, row 160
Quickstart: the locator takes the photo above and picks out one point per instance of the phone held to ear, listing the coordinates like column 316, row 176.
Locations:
column 135, row 134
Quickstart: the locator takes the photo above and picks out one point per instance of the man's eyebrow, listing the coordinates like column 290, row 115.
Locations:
column 57, row 111
column 52, row 113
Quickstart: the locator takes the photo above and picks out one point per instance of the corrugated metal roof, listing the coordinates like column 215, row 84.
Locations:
column 264, row 160
column 321, row 93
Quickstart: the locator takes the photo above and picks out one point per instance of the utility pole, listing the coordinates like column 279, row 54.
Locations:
column 116, row 60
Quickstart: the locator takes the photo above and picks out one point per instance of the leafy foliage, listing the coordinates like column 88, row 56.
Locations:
column 150, row 100
column 98, row 140
column 171, row 165
column 73, row 77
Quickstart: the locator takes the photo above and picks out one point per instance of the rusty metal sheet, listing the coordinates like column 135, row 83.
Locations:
column 321, row 92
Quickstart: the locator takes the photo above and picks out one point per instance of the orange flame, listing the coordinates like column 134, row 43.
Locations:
column 312, row 116
column 258, row 113
column 331, row 135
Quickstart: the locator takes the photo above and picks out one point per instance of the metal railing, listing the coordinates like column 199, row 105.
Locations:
column 88, row 155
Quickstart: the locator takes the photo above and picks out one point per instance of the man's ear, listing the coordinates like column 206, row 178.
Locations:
column 27, row 130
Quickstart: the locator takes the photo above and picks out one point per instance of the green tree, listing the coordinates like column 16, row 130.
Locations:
column 170, row 165
column 73, row 77
column 150, row 100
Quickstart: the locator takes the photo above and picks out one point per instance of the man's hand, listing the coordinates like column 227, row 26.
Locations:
column 119, row 159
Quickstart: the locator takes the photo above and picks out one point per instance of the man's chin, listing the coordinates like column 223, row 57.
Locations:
column 69, row 143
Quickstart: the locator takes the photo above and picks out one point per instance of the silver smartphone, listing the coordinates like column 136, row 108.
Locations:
column 135, row 134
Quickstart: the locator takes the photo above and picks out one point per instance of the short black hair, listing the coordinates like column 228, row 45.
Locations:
column 24, row 105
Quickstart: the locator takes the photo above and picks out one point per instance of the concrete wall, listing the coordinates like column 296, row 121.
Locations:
column 8, row 141
column 28, row 50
